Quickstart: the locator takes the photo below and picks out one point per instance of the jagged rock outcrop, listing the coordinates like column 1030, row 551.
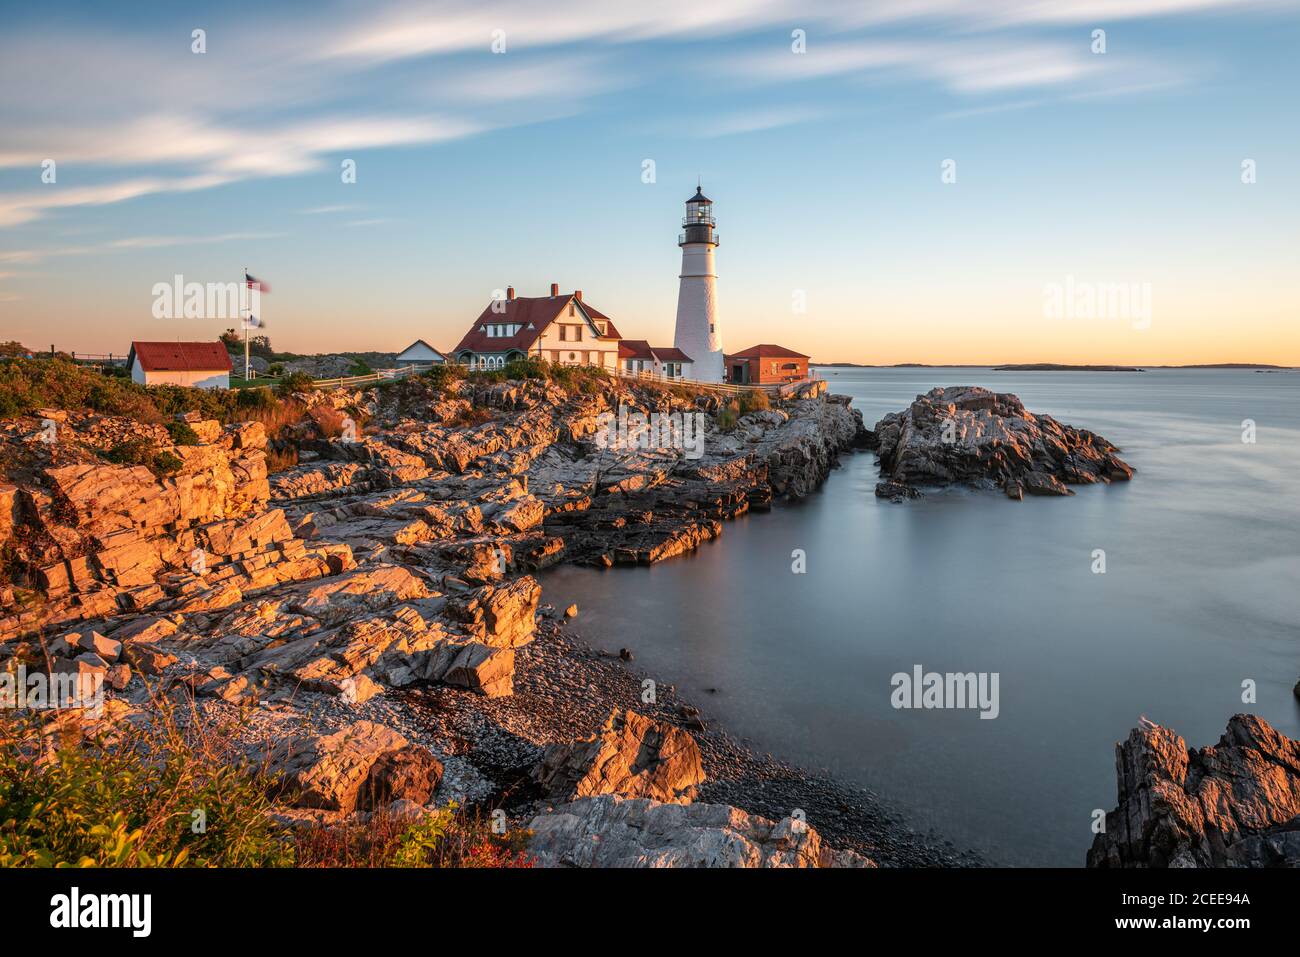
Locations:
column 612, row 831
column 969, row 435
column 361, row 767
column 1234, row 804
column 398, row 551
column 631, row 755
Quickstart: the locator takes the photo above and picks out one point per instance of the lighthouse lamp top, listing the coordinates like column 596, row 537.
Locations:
column 699, row 209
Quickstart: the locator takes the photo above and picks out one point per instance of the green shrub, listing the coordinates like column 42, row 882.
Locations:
column 444, row 838
column 181, row 433
column 294, row 382
column 143, row 451
column 131, row 801
column 531, row 367
column 166, row 463
column 258, row 399
column 445, row 377
column 753, row 400
column 136, row 451
column 727, row 416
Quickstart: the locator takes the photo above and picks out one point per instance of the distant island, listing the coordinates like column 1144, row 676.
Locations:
column 1052, row 366
column 1057, row 367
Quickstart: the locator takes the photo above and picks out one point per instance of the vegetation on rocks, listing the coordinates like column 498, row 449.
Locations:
column 174, row 791
column 130, row 799
column 29, row 385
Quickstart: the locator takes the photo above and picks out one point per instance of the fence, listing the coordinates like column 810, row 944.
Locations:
column 344, row 382
column 773, row 389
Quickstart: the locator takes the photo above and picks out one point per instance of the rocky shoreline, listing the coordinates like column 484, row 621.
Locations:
column 370, row 614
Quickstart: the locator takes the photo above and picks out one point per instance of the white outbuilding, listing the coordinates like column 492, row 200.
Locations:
column 420, row 352
column 203, row 365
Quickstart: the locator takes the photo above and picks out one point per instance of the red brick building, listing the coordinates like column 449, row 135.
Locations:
column 766, row 364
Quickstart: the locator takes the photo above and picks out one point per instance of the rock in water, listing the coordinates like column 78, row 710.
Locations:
column 1234, row 804
column 610, row 831
column 969, row 435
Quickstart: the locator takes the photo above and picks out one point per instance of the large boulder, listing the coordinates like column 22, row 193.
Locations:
column 359, row 767
column 969, row 435
column 503, row 616
column 1234, row 804
column 631, row 755
column 611, row 831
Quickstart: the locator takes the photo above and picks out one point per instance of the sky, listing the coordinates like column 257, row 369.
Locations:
column 900, row 181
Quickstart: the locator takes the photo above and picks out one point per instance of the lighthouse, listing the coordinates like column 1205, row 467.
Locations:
column 698, row 334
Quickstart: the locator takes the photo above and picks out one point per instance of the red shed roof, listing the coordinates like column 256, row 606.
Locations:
column 180, row 356
column 767, row 351
column 635, row 349
column 670, row 354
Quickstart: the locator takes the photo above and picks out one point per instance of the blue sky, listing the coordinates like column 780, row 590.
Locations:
column 478, row 169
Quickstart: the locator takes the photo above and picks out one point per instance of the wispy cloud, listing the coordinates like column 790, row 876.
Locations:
column 325, row 210
column 29, row 256
column 182, row 122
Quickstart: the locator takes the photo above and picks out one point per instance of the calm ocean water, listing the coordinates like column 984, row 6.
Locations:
column 1201, row 593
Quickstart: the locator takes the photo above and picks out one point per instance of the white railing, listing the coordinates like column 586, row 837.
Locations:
column 343, row 382
column 731, row 388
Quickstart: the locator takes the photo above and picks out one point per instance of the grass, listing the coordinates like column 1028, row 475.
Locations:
column 131, row 801
column 175, row 791
column 443, row 838
column 143, row 451
column 27, row 385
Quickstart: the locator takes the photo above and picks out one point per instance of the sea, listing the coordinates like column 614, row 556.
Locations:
column 1174, row 597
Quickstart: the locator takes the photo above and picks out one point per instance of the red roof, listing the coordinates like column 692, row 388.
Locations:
column 180, row 356
column 537, row 311
column 670, row 354
column 635, row 349
column 767, row 351
column 641, row 349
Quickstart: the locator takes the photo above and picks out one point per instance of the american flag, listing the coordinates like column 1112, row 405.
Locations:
column 254, row 283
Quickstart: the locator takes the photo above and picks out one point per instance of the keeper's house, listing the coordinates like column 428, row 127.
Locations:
column 559, row 328
column 765, row 365
column 203, row 365
column 637, row 355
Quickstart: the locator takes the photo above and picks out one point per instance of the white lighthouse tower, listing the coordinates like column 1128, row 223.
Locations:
column 698, row 334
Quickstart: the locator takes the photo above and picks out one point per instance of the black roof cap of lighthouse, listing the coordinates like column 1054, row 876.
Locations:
column 699, row 196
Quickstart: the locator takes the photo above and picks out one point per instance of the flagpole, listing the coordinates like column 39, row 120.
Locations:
column 244, row 321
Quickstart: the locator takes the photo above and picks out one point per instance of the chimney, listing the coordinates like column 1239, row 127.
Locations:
column 555, row 289
column 510, row 292
column 577, row 294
